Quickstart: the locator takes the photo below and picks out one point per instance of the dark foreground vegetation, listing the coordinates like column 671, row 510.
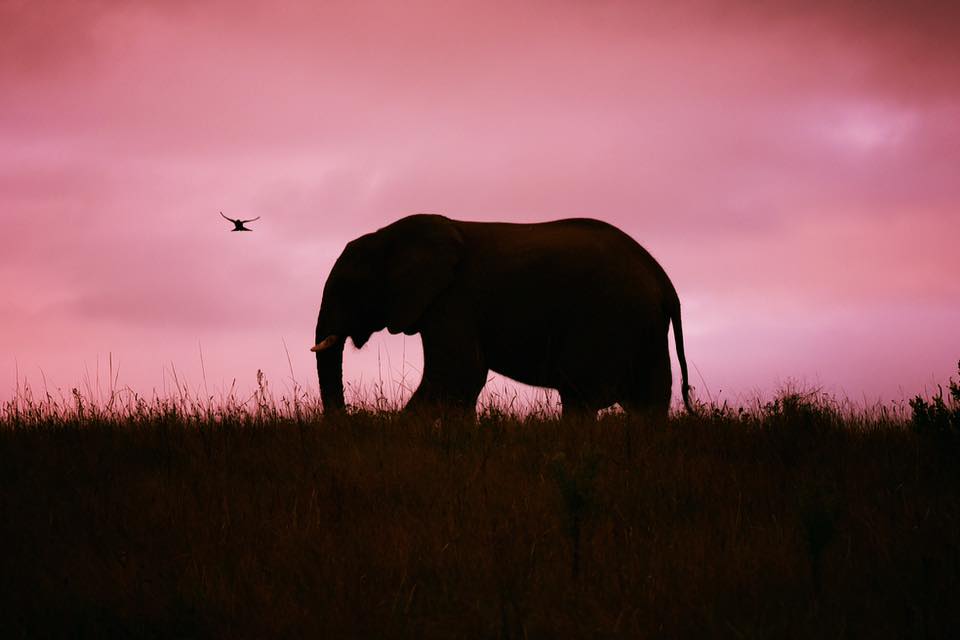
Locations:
column 797, row 518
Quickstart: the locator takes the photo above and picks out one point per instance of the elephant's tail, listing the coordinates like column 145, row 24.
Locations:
column 678, row 338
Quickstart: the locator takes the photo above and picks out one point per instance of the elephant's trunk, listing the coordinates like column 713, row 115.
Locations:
column 330, row 374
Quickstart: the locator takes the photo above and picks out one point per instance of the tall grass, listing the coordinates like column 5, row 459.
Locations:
column 254, row 515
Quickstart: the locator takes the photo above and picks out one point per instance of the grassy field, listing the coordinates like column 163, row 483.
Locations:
column 797, row 518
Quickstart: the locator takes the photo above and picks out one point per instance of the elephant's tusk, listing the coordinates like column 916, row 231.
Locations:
column 326, row 343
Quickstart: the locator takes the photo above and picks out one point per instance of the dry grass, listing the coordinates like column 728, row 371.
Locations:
column 256, row 517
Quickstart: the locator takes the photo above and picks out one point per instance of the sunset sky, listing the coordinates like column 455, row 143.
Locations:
column 794, row 166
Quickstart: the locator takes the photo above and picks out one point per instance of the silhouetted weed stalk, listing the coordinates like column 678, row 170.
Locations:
column 128, row 407
column 938, row 416
column 576, row 485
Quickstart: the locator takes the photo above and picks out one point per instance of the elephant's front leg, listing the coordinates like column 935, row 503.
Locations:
column 454, row 369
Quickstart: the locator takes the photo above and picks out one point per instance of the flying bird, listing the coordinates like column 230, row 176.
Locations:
column 238, row 224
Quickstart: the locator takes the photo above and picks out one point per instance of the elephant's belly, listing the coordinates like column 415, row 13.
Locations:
column 524, row 363
column 586, row 359
column 526, row 376
column 596, row 390
column 538, row 365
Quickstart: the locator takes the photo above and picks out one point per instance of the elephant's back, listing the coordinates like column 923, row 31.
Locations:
column 582, row 254
column 587, row 237
column 575, row 288
column 561, row 270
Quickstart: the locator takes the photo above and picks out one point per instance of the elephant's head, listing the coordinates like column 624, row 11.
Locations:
column 386, row 279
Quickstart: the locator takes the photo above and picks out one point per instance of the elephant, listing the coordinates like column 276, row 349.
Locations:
column 575, row 305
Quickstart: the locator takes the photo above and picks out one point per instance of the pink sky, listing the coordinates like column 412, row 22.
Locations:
column 794, row 168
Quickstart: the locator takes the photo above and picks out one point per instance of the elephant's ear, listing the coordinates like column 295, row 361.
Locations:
column 421, row 263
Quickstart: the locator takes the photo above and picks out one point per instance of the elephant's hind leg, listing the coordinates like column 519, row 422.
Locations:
column 648, row 388
column 575, row 407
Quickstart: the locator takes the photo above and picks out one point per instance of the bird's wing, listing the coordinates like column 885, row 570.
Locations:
column 251, row 219
column 226, row 218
